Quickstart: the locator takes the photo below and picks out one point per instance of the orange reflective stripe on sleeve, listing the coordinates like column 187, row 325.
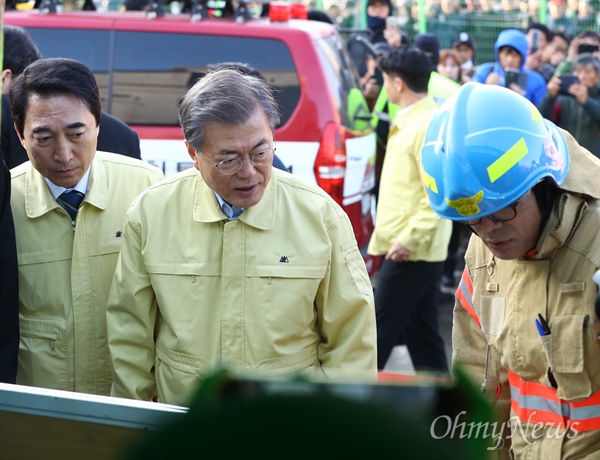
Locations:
column 464, row 293
column 534, row 402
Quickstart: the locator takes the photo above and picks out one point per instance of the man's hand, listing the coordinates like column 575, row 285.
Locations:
column 517, row 89
column 553, row 85
column 580, row 92
column 492, row 79
column 398, row 253
column 393, row 35
column 534, row 61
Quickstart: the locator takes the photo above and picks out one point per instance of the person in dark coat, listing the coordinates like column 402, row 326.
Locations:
column 20, row 51
column 9, row 289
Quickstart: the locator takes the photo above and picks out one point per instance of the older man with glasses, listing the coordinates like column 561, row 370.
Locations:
column 233, row 263
column 524, row 321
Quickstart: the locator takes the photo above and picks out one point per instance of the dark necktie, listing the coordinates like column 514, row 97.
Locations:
column 70, row 201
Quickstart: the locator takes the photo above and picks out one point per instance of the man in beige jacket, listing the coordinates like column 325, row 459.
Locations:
column 233, row 263
column 407, row 232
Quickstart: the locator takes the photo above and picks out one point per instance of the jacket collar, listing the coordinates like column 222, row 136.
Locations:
column 39, row 200
column 582, row 177
column 261, row 215
column 416, row 110
column 582, row 182
column 566, row 214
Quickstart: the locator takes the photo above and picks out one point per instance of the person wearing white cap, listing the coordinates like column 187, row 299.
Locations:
column 465, row 48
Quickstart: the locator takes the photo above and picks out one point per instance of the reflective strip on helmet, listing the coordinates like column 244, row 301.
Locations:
column 534, row 402
column 509, row 159
column 464, row 293
column 428, row 180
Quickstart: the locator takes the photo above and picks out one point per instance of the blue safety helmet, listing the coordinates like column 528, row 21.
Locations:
column 485, row 148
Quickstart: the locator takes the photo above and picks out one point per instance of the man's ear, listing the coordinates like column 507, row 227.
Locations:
column 6, row 77
column 399, row 84
column 19, row 135
column 193, row 155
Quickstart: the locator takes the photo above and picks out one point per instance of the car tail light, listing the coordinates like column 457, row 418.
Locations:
column 330, row 164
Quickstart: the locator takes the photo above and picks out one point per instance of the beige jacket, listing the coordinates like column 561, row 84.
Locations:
column 497, row 304
column 65, row 272
column 280, row 290
column 403, row 211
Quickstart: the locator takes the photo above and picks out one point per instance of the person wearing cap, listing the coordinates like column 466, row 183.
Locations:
column 511, row 50
column 524, row 322
column 465, row 49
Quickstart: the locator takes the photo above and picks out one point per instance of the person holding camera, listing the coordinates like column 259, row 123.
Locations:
column 587, row 41
column 573, row 101
column 509, row 70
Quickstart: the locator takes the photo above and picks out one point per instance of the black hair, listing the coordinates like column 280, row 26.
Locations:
column 545, row 195
column 410, row 64
column 19, row 49
column 542, row 28
column 54, row 77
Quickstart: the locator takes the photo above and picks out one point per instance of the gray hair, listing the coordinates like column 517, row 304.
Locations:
column 587, row 60
column 227, row 97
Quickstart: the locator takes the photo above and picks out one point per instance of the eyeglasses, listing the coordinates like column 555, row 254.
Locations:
column 230, row 167
column 504, row 215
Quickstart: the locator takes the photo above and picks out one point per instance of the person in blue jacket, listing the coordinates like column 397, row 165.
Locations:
column 511, row 50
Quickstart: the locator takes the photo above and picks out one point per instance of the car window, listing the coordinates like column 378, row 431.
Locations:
column 151, row 71
column 341, row 74
column 87, row 46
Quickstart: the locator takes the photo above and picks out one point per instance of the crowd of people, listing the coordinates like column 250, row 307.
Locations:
column 514, row 145
column 263, row 273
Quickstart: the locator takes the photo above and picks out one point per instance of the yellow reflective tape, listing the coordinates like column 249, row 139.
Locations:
column 428, row 180
column 535, row 114
column 503, row 164
column 467, row 206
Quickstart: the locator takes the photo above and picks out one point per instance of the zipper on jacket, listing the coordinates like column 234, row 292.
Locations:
column 486, row 374
column 52, row 343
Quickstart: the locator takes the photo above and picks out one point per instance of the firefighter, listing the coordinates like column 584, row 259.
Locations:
column 524, row 321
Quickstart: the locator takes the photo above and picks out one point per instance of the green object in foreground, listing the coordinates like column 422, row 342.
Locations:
column 292, row 419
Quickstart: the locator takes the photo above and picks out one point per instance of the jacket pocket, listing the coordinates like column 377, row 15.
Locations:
column 105, row 247
column 43, row 355
column 177, row 374
column 356, row 266
column 289, row 364
column 565, row 349
column 186, row 291
column 285, row 295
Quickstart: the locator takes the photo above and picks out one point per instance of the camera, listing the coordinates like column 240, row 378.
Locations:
column 515, row 76
column 566, row 81
column 535, row 40
column 587, row 48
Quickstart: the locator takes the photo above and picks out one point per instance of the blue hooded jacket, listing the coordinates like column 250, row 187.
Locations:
column 535, row 89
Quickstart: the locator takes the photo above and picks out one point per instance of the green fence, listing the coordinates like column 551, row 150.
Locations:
column 483, row 19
